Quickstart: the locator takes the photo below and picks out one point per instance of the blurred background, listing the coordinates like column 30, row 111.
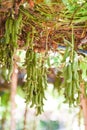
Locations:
column 56, row 116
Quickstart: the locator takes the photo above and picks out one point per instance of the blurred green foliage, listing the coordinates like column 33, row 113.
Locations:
column 49, row 125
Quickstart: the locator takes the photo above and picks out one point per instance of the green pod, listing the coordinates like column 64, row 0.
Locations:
column 33, row 101
column 7, row 38
column 27, row 39
column 66, row 90
column 69, row 89
column 75, row 66
column 73, row 91
column 66, row 54
column 19, row 20
column 75, row 69
column 7, row 32
column 65, row 73
column 69, row 73
column 32, row 57
column 30, row 95
column 10, row 71
column 39, row 100
column 16, row 27
column 18, row 23
column 39, row 110
column 28, row 54
column 36, row 100
column 35, row 59
column 7, row 24
column 77, row 82
column 10, row 25
column 15, row 36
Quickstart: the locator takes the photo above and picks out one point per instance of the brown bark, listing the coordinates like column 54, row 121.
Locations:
column 13, row 93
column 25, row 117
column 34, row 125
column 84, row 105
column 3, row 120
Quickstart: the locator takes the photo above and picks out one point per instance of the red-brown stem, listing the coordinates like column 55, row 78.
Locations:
column 13, row 93
column 84, row 105
column 25, row 117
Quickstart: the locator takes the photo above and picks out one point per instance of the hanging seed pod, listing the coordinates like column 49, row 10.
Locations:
column 6, row 60
column 36, row 80
column 12, row 30
column 71, row 80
